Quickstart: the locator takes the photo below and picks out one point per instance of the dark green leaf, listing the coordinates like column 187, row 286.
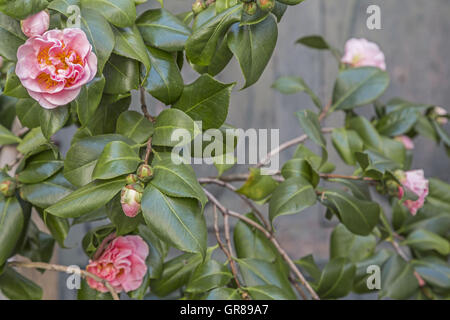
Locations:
column 40, row 167
column 347, row 142
column 424, row 240
column 28, row 111
column 11, row 37
column 209, row 275
column 344, row 244
column 133, row 125
column 52, row 120
column 169, row 122
column 258, row 186
column 17, row 287
column 7, row 137
column 337, row 279
column 268, row 292
column 89, row 99
column 122, row 75
column 397, row 279
column 121, row 13
column 11, row 224
column 291, row 85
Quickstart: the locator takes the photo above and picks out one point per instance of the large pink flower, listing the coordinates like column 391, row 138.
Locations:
column 122, row 264
column 416, row 182
column 53, row 67
column 36, row 24
column 362, row 53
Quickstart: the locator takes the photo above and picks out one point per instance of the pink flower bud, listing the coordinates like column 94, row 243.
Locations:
column 8, row 187
column 362, row 53
column 407, row 142
column 441, row 113
column 145, row 172
column 415, row 181
column 131, row 200
column 36, row 25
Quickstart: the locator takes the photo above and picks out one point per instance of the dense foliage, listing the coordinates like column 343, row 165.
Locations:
column 118, row 169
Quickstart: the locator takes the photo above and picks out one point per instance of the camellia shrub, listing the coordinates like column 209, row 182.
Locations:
column 76, row 62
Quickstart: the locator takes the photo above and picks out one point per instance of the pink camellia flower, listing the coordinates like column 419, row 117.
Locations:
column 36, row 25
column 130, row 199
column 415, row 181
column 362, row 53
column 122, row 264
column 407, row 142
column 441, row 112
column 53, row 67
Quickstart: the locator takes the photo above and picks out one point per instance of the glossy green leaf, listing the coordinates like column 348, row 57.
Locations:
column 7, row 137
column 33, row 140
column 253, row 46
column 86, row 199
column 309, row 264
column 258, row 186
column 362, row 274
column 223, row 294
column 157, row 252
column 13, row 86
column 359, row 216
column 177, row 221
column 202, row 44
column 397, row 279
column 28, row 111
column 168, row 122
column 118, row 158
column 424, row 240
column 337, row 279
column 268, row 292
column 314, row 42
column 89, row 99
column 40, row 167
column 52, row 120
column 434, row 271
column 11, row 224
column 347, row 142
column 291, row 85
column 87, row 293
column 398, row 122
column 344, row 244
column 122, row 75
column 367, row 133
column 11, row 36
column 209, row 275
column 135, row 126
column 16, row 287
column 121, row 13
column 163, row 30
column 164, row 81
column 358, row 86
column 291, row 196
column 206, row 100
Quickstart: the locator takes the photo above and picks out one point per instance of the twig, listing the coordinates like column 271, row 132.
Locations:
column 148, row 151
column 55, row 267
column 298, row 288
column 269, row 236
column 247, row 201
column 144, row 106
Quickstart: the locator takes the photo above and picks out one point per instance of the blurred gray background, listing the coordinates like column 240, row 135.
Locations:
column 415, row 40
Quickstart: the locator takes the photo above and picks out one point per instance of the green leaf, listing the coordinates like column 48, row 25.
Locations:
column 13, row 86
column 316, row 161
column 177, row 273
column 164, row 81
column 89, row 99
column 423, row 240
column 206, row 100
column 347, row 142
column 344, row 244
column 202, row 44
column 7, row 137
column 52, row 120
column 309, row 121
column 122, row 75
column 87, row 293
column 257, row 187
column 11, row 37
column 300, row 168
column 177, row 181
column 133, row 125
column 314, row 42
column 438, row 199
column 157, row 252
column 359, row 216
column 117, row 159
column 268, row 292
column 58, row 227
column 223, row 294
column 260, row 272
column 100, row 36
column 33, row 140
column 83, row 155
column 48, row 192
column 121, row 13
column 367, row 133
column 220, row 60
column 291, row 196
column 398, row 122
column 337, row 279
column 249, row 242
column 161, row 29
column 434, row 271
column 358, row 86
column 129, row 44
column 362, row 274
column 38, row 245
column 253, row 46
column 397, row 279
column 168, row 122
column 442, row 134
column 308, row 264
column 86, row 199
column 291, row 85
column 21, row 9
column 177, row 221
column 16, row 287
column 40, row 167
column 11, row 224
column 209, row 275
column 28, row 111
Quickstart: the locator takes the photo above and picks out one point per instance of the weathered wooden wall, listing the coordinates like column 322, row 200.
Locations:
column 415, row 39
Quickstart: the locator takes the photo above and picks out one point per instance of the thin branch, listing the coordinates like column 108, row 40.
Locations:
column 298, row 288
column 144, row 106
column 148, row 151
column 269, row 236
column 247, row 201
column 55, row 267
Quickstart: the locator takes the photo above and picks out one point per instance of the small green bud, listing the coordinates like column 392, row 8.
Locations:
column 131, row 179
column 250, row 8
column 198, row 6
column 145, row 172
column 8, row 187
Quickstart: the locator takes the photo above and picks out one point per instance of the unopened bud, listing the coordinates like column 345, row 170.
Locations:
column 441, row 115
column 130, row 199
column 8, row 187
column 198, row 6
column 131, row 179
column 250, row 8
column 266, row 5
column 145, row 173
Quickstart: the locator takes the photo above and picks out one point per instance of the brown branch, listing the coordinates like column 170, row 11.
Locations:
column 148, row 151
column 298, row 288
column 55, row 267
column 233, row 189
column 269, row 236
column 144, row 106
